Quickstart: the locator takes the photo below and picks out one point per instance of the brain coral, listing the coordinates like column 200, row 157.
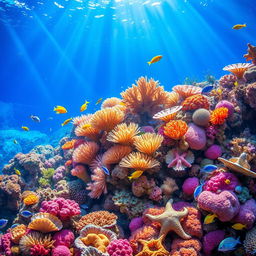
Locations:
column 195, row 102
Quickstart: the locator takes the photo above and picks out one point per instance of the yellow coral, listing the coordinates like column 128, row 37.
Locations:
column 31, row 199
column 99, row 241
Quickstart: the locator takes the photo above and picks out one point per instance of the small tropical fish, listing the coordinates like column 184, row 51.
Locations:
column 35, row 118
column 60, row 110
column 210, row 218
column 135, row 175
column 25, row 128
column 84, row 206
column 155, row 59
column 105, row 169
column 228, row 244
column 238, row 226
column 122, row 103
column 15, row 225
column 207, row 89
column 99, row 101
column 26, row 214
column 198, row 191
column 86, row 126
column 227, row 181
column 66, row 121
column 219, row 91
column 209, row 168
column 238, row 189
column 3, row 223
column 17, row 171
column 235, row 83
column 239, row 26
column 84, row 106
column 68, row 163
column 15, row 142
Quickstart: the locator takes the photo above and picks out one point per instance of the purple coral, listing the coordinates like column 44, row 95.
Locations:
column 212, row 240
column 227, row 81
column 195, row 137
column 251, row 95
column 59, row 173
column 211, row 132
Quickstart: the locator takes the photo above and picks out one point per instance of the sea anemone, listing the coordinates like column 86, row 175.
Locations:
column 175, row 129
column 218, row 116
column 106, row 119
column 110, row 102
column 238, row 69
column 186, row 91
column 17, row 233
column 167, row 114
column 30, row 197
column 123, row 133
column 80, row 172
column 195, row 102
column 85, row 153
column 98, row 185
column 86, row 129
column 148, row 143
column 139, row 161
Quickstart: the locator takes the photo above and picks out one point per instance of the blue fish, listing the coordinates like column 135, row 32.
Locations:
column 84, row 206
column 26, row 214
column 207, row 89
column 14, row 225
column 198, row 191
column 3, row 223
column 105, row 169
column 238, row 189
column 228, row 244
column 209, row 168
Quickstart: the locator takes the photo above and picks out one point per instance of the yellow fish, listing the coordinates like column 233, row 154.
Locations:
column 66, row 121
column 227, row 181
column 238, row 226
column 98, row 101
column 15, row 141
column 17, row 171
column 135, row 175
column 210, row 218
column 122, row 103
column 60, row 110
column 25, row 128
column 86, row 126
column 235, row 83
column 155, row 59
column 219, row 91
column 239, row 26
column 84, row 106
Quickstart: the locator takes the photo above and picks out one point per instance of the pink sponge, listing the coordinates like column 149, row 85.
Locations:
column 61, row 250
column 213, row 152
column 212, row 240
column 120, row 247
column 64, row 237
column 195, row 137
column 135, row 224
column 225, row 205
column 190, row 185
column 60, row 207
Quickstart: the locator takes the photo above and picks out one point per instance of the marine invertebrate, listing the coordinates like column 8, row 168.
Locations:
column 195, row 102
column 17, row 233
column 172, row 99
column 106, row 119
column 80, row 172
column 45, row 222
column 98, row 185
column 30, row 197
column 61, row 250
column 249, row 241
column 85, row 128
column 195, row 137
column 211, row 240
column 186, row 91
column 219, row 115
column 170, row 221
column 110, row 102
column 190, row 185
column 250, row 94
column 119, row 247
column 228, row 81
column 142, row 186
column 185, row 247
column 59, row 173
column 169, row 186
column 201, row 117
column 213, row 152
column 135, row 224
column 167, row 114
column 237, row 69
column 124, row 133
column 85, row 153
column 175, row 129
column 178, row 160
column 148, row 143
column 64, row 237
column 5, row 240
column 226, row 104
column 251, row 53
column 35, row 241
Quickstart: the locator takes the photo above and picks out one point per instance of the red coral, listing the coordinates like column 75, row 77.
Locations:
column 38, row 250
column 195, row 102
column 182, row 247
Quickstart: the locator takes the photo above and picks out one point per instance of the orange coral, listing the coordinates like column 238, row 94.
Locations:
column 85, row 153
column 251, row 55
column 145, row 97
column 17, row 233
column 238, row 69
column 172, row 99
column 99, row 241
column 124, row 134
column 155, row 212
column 68, row 145
column 189, row 247
column 195, row 102
column 219, row 115
column 139, row 161
column 175, row 129
column 103, row 219
column 167, row 114
column 110, row 102
column 107, row 118
column 80, row 172
column 148, row 143
column 86, row 129
column 79, row 119
column 186, row 91
column 115, row 154
column 31, row 198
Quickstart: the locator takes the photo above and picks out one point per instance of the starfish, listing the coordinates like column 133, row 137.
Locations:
column 170, row 221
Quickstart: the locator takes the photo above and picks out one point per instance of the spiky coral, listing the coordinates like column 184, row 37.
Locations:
column 219, row 115
column 175, row 129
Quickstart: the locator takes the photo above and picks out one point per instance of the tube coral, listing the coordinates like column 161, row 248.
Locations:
column 86, row 129
column 218, row 116
column 175, row 129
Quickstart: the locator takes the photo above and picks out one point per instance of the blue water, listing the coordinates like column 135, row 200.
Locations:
column 64, row 52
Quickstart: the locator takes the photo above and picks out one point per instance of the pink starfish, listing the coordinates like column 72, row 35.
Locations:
column 179, row 161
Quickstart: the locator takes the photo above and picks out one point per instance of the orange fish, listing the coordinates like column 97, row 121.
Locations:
column 69, row 144
column 68, row 163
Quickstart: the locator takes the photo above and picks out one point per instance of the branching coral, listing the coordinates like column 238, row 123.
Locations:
column 251, row 54
column 175, row 129
column 218, row 116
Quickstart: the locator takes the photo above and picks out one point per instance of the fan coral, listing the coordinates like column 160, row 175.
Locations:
column 107, row 118
column 237, row 69
column 30, row 198
column 64, row 237
column 17, row 233
column 120, row 247
column 249, row 242
column 80, row 172
column 115, row 154
column 110, row 102
column 251, row 54
column 201, row 117
column 98, row 186
column 36, row 241
column 124, row 134
column 190, row 247
column 86, row 129
column 175, row 129
column 148, row 143
column 172, row 99
column 45, row 223
column 85, row 153
column 167, row 114
column 219, row 115
column 139, row 161
column 145, row 97
column 195, row 102
column 103, row 219
column 227, row 81
column 68, row 145
column 186, row 91
column 212, row 240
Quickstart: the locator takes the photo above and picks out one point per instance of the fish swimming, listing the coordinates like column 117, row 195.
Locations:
column 155, row 59
column 238, row 226
column 66, row 121
column 209, row 168
column 17, row 171
column 84, row 206
column 99, row 101
column 228, row 244
column 68, row 163
column 198, row 191
column 239, row 26
column 35, row 118
column 135, row 175
column 210, row 218
column 26, row 214
column 227, row 181
column 84, row 106
column 105, row 169
column 25, row 128
column 207, row 89
column 60, row 110
column 15, row 142
column 15, row 225
column 86, row 126
column 3, row 223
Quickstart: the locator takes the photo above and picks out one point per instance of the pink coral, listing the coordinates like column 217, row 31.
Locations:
column 212, row 240
column 39, row 250
column 226, row 104
column 64, row 237
column 167, row 141
column 119, row 247
column 213, row 152
column 156, row 194
column 61, row 250
column 221, row 181
column 225, row 205
column 195, row 137
column 211, row 132
column 135, row 224
column 190, row 185
column 6, row 244
column 62, row 208
column 227, row 81
column 80, row 172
